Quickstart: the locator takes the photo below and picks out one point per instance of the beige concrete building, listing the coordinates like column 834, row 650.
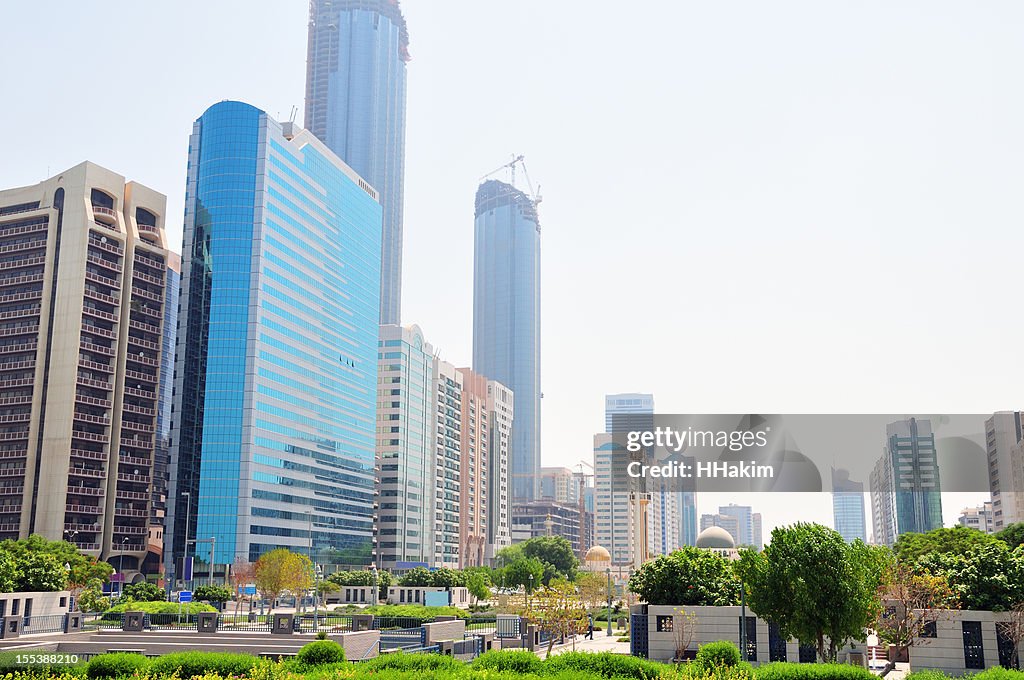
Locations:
column 473, row 504
column 500, row 414
column 1004, row 442
column 83, row 260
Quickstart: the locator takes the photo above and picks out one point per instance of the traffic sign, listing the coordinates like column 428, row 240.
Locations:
column 185, row 596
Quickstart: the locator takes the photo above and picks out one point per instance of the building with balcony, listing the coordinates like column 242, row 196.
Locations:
column 83, row 277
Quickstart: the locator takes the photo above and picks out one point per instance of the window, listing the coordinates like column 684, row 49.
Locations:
column 930, row 630
column 664, row 624
column 974, row 648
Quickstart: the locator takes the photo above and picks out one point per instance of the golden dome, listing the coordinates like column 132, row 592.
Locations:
column 597, row 554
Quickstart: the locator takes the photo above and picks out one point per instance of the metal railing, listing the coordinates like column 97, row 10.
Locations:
column 402, row 638
column 52, row 623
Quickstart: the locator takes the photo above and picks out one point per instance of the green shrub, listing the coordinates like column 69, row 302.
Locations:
column 320, row 653
column 605, row 664
column 930, row 675
column 418, row 663
column 816, row 671
column 517, row 661
column 192, row 664
column 414, row 611
column 717, row 654
column 998, row 673
column 9, row 664
column 117, row 665
column 160, row 608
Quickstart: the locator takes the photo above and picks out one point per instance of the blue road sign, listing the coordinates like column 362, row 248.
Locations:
column 185, row 596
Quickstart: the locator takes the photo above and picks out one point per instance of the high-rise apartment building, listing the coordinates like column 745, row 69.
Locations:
column 448, row 437
column 405, row 448
column 756, row 522
column 546, row 517
column 474, row 470
column 744, row 515
column 614, row 509
column 731, row 524
column 355, row 104
column 83, row 271
column 501, row 421
column 848, row 506
column 628, row 411
column 273, row 439
column 905, row 485
column 559, row 484
column 1004, row 440
column 506, row 316
column 979, row 518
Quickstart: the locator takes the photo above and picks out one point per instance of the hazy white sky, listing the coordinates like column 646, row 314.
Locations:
column 769, row 207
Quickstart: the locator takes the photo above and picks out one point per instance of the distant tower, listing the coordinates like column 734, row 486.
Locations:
column 905, row 486
column 848, row 506
column 506, row 316
column 355, row 103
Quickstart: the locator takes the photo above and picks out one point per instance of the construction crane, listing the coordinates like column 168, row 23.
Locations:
column 511, row 167
column 582, row 477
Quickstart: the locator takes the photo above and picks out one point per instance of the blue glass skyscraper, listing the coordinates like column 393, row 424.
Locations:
column 506, row 317
column 355, row 103
column 274, row 419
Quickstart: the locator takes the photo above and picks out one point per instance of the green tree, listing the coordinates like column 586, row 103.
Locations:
column 959, row 539
column 40, row 573
column 212, row 594
column 988, row 577
column 689, row 576
column 418, row 576
column 83, row 568
column 814, row 585
column 8, row 572
column 1012, row 535
column 447, row 578
column 559, row 611
column 479, row 584
column 91, row 597
column 144, row 592
column 280, row 571
column 517, row 573
column 553, row 550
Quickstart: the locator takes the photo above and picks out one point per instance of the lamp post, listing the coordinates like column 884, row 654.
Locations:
column 376, row 588
column 529, row 592
column 120, row 563
column 743, row 619
column 317, row 572
column 609, row 612
column 188, row 518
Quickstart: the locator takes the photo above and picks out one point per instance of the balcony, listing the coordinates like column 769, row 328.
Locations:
column 23, row 329
column 108, row 245
column 88, row 455
column 24, row 245
column 89, row 436
column 20, row 347
column 15, row 418
column 148, row 294
column 98, row 278
column 84, row 509
column 11, row 490
column 87, row 546
column 16, row 435
column 141, row 359
column 10, row 509
column 139, row 325
column 139, row 342
column 139, row 479
column 137, row 444
column 12, row 472
column 99, row 313
column 138, row 427
column 22, row 262
column 133, row 495
column 17, row 365
column 85, row 491
column 145, row 377
column 102, row 297
column 102, row 262
column 96, row 349
column 17, row 453
column 146, row 310
column 128, row 548
column 99, row 331
column 149, row 228
column 148, row 261
column 19, row 280
column 135, row 408
column 125, row 459
column 26, row 229
column 91, row 528
column 141, row 276
column 86, row 472
column 89, row 382
column 135, row 392
column 88, row 418
column 104, row 215
column 129, row 512
column 16, row 401
column 19, row 297
column 136, row 531
column 32, row 310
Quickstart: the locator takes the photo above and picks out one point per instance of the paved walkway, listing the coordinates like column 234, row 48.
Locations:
column 600, row 643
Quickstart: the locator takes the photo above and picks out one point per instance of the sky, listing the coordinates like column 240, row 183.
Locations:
column 800, row 207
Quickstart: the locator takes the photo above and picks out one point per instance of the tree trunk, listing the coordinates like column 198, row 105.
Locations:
column 889, row 666
column 551, row 644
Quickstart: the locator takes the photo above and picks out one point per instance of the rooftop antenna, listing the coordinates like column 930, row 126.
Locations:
column 295, row 112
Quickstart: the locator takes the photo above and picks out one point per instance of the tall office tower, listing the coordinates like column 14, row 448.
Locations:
column 546, row 517
column 506, row 316
column 614, row 527
column 628, row 411
column 83, row 266
column 276, row 370
column 756, row 523
column 1004, row 439
column 162, row 454
column 731, row 523
column 501, row 413
column 559, row 484
column 405, row 448
column 355, row 104
column 474, row 466
column 979, row 518
column 664, row 517
column 905, row 485
column 848, row 506
column 447, row 417
column 688, row 519
column 745, row 518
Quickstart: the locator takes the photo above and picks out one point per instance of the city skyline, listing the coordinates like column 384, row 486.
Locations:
column 834, row 147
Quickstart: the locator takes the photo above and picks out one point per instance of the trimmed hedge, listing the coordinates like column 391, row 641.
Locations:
column 812, row 671
column 160, row 608
column 193, row 664
column 116, row 665
column 717, row 655
column 604, row 664
column 412, row 662
column 320, row 653
column 520, row 661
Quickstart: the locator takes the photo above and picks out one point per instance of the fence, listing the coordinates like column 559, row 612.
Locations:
column 170, row 622
column 403, row 638
column 53, row 623
column 468, row 648
column 508, row 628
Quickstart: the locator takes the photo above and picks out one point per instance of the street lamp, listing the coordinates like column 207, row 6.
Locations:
column 317, row 573
column 373, row 567
column 609, row 612
column 120, row 562
column 529, row 592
